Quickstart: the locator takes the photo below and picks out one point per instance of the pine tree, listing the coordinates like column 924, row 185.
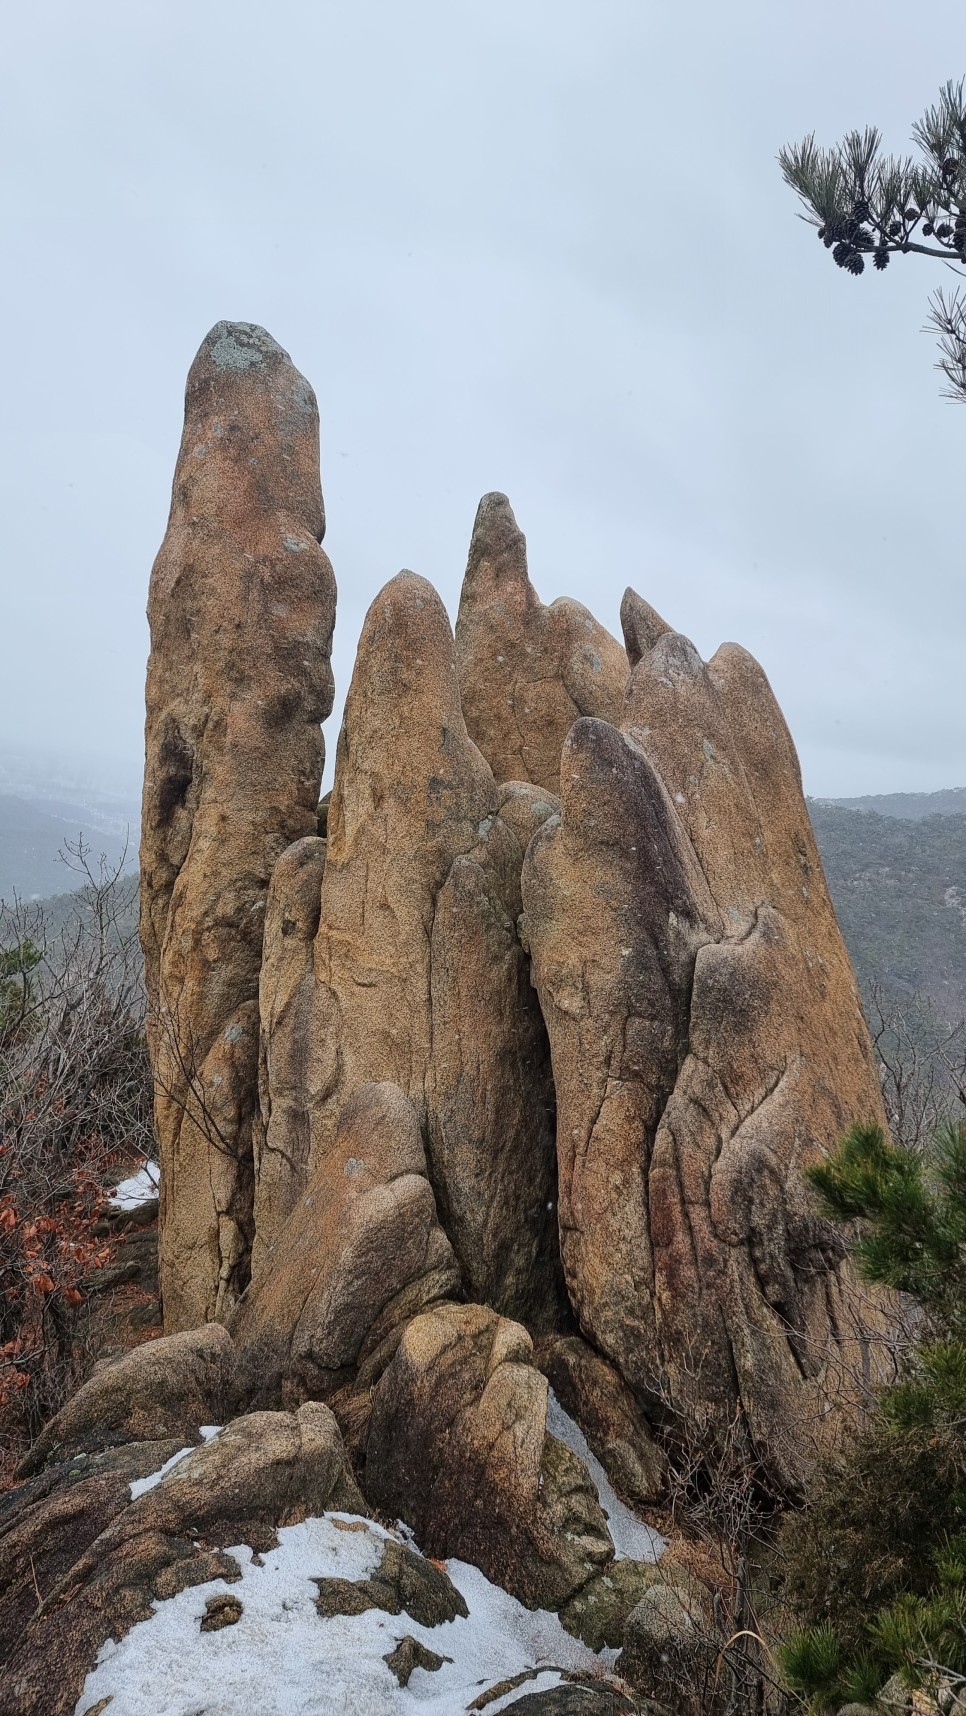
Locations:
column 897, row 1567
column 869, row 207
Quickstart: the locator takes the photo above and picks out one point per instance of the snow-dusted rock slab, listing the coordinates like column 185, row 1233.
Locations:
column 281, row 1659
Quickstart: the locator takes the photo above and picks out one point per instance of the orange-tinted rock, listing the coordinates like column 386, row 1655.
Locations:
column 360, row 1254
column 596, row 1396
column 527, row 672
column 707, row 1040
column 165, row 1388
column 287, row 989
column 241, row 609
column 420, row 978
column 458, row 1447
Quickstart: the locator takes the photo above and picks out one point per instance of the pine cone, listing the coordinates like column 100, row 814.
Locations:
column 950, row 167
column 854, row 263
column 944, row 230
column 881, row 259
column 861, row 209
column 927, row 229
column 841, row 253
column 910, row 214
column 895, row 229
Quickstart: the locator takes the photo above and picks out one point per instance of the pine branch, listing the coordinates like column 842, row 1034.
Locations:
column 867, row 204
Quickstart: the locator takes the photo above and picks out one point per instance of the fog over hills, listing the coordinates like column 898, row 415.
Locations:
column 47, row 800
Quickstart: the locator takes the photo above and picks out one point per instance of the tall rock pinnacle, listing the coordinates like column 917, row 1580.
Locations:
column 241, row 609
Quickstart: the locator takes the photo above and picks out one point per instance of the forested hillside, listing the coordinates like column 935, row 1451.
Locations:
column 951, row 801
column 899, row 887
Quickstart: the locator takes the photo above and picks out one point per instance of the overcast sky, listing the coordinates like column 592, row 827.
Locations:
column 533, row 245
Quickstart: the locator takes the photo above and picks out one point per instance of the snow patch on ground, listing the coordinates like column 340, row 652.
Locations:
column 633, row 1540
column 282, row 1659
column 140, row 1486
column 139, row 1189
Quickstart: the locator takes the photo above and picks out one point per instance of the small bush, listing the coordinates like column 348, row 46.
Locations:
column 75, row 1096
column 876, row 1565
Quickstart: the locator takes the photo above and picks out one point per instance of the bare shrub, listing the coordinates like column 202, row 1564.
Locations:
column 75, row 1100
column 723, row 1516
column 922, row 1064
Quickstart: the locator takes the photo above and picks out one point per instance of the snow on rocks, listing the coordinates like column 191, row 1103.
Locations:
column 632, row 1539
column 140, row 1486
column 139, row 1189
column 282, row 1659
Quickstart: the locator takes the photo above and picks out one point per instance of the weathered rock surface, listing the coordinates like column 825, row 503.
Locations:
column 598, row 1612
column 48, row 1522
column 595, row 1395
column 163, row 1389
column 361, row 1253
column 409, row 1655
column 420, row 978
column 241, row 609
column 707, row 1040
column 287, row 991
column 575, row 1697
column 671, row 1652
column 527, row 672
column 403, row 1582
column 458, row 1447
column 265, row 1470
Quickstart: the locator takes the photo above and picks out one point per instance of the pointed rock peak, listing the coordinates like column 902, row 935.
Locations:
column 403, row 691
column 498, row 548
column 642, row 626
column 409, row 627
column 250, row 412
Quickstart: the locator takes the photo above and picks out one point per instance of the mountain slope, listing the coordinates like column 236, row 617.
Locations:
column 899, row 888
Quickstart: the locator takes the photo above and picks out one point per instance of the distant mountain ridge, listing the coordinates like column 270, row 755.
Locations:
column 908, row 806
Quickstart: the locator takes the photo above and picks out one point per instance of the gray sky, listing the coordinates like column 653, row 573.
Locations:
column 534, row 245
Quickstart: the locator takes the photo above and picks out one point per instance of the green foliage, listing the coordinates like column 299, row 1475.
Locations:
column 867, row 205
column 877, row 1565
column 812, row 1662
column 815, row 1668
column 915, row 1205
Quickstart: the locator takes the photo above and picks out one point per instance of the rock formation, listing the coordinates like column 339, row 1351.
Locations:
column 360, row 1255
column 459, row 1448
column 106, row 1556
column 287, row 990
column 707, row 1041
column 241, row 609
column 527, row 672
column 504, row 1083
column 597, row 1398
column 419, row 975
